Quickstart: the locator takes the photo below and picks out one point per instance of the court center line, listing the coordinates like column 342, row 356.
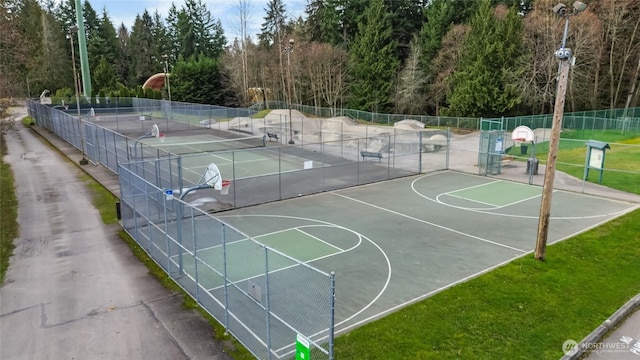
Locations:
column 432, row 224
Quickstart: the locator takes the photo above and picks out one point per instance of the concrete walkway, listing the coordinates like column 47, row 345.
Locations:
column 74, row 289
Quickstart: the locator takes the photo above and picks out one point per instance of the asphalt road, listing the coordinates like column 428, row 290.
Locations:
column 74, row 290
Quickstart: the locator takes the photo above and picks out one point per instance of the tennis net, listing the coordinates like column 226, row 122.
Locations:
column 212, row 145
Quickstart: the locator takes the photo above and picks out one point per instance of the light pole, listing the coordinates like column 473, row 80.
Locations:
column 289, row 50
column 166, row 74
column 166, row 79
column 563, row 54
column 73, row 30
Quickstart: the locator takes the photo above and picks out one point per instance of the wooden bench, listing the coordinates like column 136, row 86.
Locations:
column 366, row 154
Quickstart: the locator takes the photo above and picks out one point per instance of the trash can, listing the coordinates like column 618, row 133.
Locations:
column 523, row 149
column 532, row 166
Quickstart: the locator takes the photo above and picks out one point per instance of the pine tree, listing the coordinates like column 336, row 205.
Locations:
column 143, row 63
column 372, row 64
column 273, row 27
column 323, row 22
column 491, row 49
column 123, row 62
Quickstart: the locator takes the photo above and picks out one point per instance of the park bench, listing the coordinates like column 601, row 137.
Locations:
column 366, row 154
column 273, row 136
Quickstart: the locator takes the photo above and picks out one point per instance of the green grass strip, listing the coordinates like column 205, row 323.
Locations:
column 523, row 310
column 105, row 202
column 622, row 161
column 9, row 228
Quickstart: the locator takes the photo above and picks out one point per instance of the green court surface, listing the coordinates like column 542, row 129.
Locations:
column 396, row 242
column 237, row 163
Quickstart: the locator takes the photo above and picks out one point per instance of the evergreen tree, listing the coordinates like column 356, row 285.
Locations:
column 406, row 21
column 441, row 15
column 351, row 12
column 161, row 36
column 323, row 22
column 104, row 76
column 197, row 32
column 47, row 61
column 372, row 64
column 124, row 60
column 491, row 49
column 273, row 27
column 65, row 13
column 173, row 33
column 203, row 81
column 143, row 63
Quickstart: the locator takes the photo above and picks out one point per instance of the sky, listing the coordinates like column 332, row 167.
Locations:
column 121, row 11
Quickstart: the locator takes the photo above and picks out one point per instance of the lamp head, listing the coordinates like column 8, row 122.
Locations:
column 560, row 9
column 73, row 28
column 579, row 6
column 291, row 41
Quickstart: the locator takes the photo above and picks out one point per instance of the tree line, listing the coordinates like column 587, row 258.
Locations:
column 438, row 57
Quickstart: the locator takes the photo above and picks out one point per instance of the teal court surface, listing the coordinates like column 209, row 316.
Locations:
column 396, row 242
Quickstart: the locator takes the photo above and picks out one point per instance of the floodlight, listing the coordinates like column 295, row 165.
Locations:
column 560, row 9
column 579, row 6
column 291, row 41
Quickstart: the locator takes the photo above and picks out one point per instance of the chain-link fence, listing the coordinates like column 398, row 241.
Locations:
column 324, row 156
column 585, row 122
column 264, row 297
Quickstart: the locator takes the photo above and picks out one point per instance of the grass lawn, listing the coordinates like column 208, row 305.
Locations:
column 9, row 229
column 622, row 161
column 523, row 310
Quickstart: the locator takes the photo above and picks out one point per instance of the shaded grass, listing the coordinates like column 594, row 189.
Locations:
column 9, row 228
column 105, row 201
column 523, row 310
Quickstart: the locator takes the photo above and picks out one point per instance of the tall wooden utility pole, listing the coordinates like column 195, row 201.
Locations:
column 550, row 172
column 565, row 56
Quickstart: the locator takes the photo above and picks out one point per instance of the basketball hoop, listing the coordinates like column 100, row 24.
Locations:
column 161, row 137
column 225, row 187
column 519, row 141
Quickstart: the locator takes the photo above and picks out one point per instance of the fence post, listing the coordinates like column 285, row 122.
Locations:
column 226, row 277
column 195, row 254
column 448, row 148
column 332, row 306
column 420, row 137
column 267, row 311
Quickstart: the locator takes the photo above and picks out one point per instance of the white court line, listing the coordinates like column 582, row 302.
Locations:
column 384, row 254
column 493, row 207
column 467, row 199
column 474, row 186
column 219, row 246
column 533, row 217
column 482, row 272
column 430, row 293
column 430, row 223
column 317, row 238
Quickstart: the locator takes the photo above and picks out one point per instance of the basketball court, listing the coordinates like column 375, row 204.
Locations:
column 397, row 242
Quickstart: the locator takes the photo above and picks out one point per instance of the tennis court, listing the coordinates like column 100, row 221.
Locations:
column 394, row 243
